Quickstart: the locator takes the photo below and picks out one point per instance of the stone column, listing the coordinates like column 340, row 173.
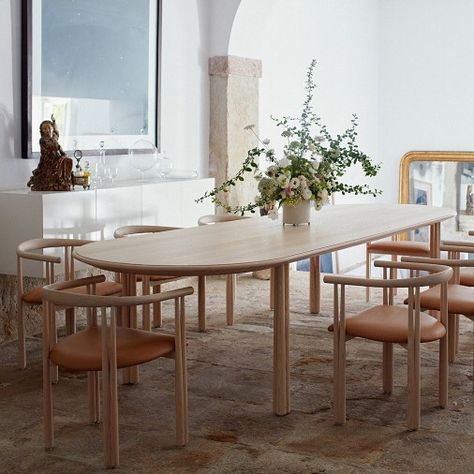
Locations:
column 234, row 84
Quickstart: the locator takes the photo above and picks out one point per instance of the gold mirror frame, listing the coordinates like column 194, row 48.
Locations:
column 408, row 158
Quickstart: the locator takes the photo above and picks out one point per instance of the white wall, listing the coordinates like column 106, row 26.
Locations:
column 343, row 37
column 185, row 91
column 426, row 80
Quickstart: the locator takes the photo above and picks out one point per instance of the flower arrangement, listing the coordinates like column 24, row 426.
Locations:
column 310, row 169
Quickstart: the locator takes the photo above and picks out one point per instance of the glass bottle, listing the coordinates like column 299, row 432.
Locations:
column 101, row 169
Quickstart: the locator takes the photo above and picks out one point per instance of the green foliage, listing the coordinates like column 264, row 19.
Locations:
column 311, row 167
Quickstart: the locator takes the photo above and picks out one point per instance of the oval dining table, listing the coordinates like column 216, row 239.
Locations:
column 261, row 243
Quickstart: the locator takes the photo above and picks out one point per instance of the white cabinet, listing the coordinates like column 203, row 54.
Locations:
column 95, row 214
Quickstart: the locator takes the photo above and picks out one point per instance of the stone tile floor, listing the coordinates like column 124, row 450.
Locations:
column 232, row 428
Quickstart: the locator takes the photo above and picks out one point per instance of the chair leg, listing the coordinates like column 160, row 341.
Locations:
column 367, row 272
column 202, row 303
column 339, row 359
column 181, row 389
column 70, row 321
column 443, row 372
column 413, row 389
column 93, row 396
column 387, row 367
column 53, row 334
column 47, row 382
column 456, row 347
column 451, row 337
column 394, row 275
column 157, row 321
column 230, row 298
column 146, row 320
column 20, row 325
column 110, row 399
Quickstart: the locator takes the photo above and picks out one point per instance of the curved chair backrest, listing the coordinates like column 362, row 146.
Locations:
column 438, row 273
column 140, row 229
column 217, row 218
column 55, row 294
column 27, row 250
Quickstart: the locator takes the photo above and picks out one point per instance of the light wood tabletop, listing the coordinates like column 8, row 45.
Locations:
column 259, row 243
column 256, row 243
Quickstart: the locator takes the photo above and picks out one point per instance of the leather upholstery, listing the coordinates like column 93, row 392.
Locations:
column 107, row 288
column 83, row 350
column 467, row 276
column 400, row 247
column 390, row 324
column 460, row 299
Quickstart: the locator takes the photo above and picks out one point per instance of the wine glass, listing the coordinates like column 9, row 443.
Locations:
column 143, row 155
column 164, row 165
column 112, row 173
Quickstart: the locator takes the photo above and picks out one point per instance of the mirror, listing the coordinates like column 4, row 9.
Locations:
column 93, row 64
column 444, row 179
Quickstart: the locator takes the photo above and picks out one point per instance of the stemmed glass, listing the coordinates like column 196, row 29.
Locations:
column 143, row 155
column 164, row 165
column 112, row 173
column 100, row 167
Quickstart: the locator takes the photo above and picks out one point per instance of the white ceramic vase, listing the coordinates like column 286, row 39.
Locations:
column 297, row 214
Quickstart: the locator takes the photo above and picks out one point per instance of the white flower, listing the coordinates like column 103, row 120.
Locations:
column 266, row 141
column 303, row 181
column 272, row 171
column 283, row 180
column 295, row 182
column 273, row 213
column 315, row 165
column 307, row 194
column 284, row 162
column 323, row 195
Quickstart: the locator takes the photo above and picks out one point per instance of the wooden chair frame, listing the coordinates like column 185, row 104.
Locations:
column 439, row 274
column 55, row 298
column 454, row 249
column 27, row 251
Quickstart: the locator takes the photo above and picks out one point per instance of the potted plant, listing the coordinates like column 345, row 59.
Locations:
column 308, row 170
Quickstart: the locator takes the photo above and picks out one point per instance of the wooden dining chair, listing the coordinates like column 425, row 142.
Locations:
column 105, row 347
column 154, row 282
column 460, row 297
column 33, row 250
column 212, row 219
column 394, row 248
column 466, row 275
column 393, row 324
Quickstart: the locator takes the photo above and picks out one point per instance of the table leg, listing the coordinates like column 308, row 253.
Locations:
column 314, row 285
column 281, row 363
column 435, row 240
column 130, row 375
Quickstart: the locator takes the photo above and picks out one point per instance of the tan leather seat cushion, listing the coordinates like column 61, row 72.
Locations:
column 83, row 350
column 106, row 288
column 460, row 299
column 401, row 247
column 467, row 276
column 390, row 324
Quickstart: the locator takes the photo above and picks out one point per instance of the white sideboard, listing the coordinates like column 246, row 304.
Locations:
column 95, row 214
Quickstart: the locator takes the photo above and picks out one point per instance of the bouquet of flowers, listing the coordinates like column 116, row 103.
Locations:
column 311, row 165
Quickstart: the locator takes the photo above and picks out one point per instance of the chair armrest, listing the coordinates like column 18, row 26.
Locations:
column 38, row 256
column 442, row 273
column 64, row 285
column 441, row 261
